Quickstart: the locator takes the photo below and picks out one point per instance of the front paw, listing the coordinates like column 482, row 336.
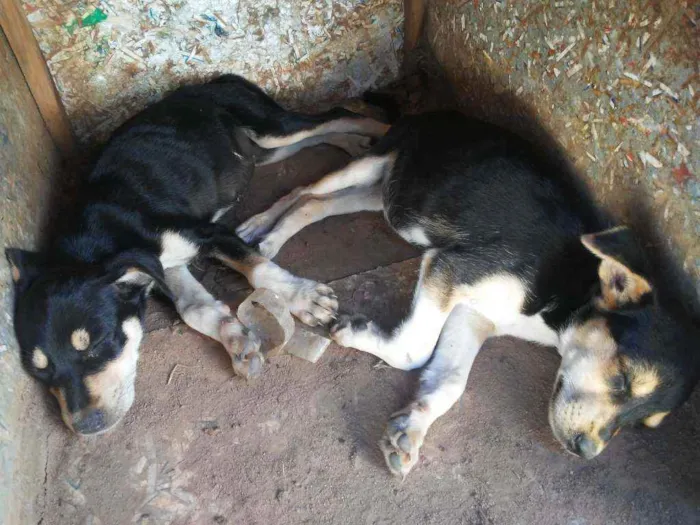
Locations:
column 402, row 440
column 244, row 348
column 313, row 303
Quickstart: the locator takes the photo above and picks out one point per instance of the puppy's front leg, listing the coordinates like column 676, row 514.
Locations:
column 313, row 303
column 201, row 311
column 411, row 344
column 441, row 384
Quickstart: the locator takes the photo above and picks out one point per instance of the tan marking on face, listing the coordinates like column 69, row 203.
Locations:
column 595, row 338
column 39, row 359
column 586, row 405
column 655, row 420
column 65, row 413
column 80, row 339
column 112, row 389
column 16, row 275
column 643, row 381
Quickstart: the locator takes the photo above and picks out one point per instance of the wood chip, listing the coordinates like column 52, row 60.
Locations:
column 571, row 72
column 648, row 158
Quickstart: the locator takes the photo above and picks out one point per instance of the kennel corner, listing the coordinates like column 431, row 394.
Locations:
column 618, row 88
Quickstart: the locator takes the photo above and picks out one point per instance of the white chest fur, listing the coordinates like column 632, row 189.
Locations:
column 500, row 298
column 176, row 250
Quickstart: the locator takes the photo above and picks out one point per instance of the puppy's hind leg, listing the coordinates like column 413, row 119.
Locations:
column 354, row 145
column 289, row 127
column 441, row 384
column 363, row 172
column 315, row 209
column 201, row 311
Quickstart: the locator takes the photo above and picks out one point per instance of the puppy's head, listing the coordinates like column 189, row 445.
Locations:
column 79, row 330
column 628, row 357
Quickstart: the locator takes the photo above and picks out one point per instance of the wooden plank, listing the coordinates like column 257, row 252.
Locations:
column 26, row 50
column 413, row 11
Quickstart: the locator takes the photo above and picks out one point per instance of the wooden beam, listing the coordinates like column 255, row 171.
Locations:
column 26, row 50
column 413, row 12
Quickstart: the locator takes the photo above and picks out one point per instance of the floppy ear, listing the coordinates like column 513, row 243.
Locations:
column 24, row 266
column 133, row 271
column 622, row 269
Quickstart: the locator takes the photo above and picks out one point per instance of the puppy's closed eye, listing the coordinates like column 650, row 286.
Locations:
column 619, row 384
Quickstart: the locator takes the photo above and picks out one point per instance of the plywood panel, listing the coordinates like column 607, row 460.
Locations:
column 618, row 88
column 112, row 58
column 28, row 164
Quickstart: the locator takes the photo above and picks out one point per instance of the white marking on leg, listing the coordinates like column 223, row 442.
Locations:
column 354, row 145
column 197, row 307
column 441, row 385
column 361, row 126
column 313, row 303
column 363, row 172
column 316, row 209
column 201, row 311
column 176, row 250
column 412, row 343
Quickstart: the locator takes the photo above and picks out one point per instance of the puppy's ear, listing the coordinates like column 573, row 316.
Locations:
column 24, row 266
column 623, row 276
column 133, row 271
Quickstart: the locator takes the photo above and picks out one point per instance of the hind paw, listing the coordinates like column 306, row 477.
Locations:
column 402, row 440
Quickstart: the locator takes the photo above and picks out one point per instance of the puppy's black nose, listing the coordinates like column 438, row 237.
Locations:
column 90, row 422
column 582, row 446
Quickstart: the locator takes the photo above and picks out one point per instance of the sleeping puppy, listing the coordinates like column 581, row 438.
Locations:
column 511, row 247
column 148, row 207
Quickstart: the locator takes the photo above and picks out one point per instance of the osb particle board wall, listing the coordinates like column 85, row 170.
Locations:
column 28, row 163
column 109, row 58
column 617, row 87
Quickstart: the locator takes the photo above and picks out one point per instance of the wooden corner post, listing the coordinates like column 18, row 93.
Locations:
column 36, row 73
column 414, row 12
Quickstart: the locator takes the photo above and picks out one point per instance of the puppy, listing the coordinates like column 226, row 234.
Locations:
column 148, row 207
column 511, row 247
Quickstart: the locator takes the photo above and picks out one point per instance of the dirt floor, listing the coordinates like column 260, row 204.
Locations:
column 298, row 445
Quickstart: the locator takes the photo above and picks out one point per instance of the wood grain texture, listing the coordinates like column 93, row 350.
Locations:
column 414, row 10
column 26, row 50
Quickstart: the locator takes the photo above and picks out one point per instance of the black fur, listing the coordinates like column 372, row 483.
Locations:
column 506, row 209
column 492, row 204
column 169, row 168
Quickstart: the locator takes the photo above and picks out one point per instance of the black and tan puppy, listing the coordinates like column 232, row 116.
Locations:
column 148, row 207
column 511, row 248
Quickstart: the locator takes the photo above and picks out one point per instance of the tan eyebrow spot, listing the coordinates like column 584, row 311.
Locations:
column 80, row 339
column 15, row 273
column 39, row 359
column 644, row 382
column 654, row 420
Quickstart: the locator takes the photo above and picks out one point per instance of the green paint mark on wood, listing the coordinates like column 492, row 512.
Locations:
column 71, row 26
column 94, row 18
